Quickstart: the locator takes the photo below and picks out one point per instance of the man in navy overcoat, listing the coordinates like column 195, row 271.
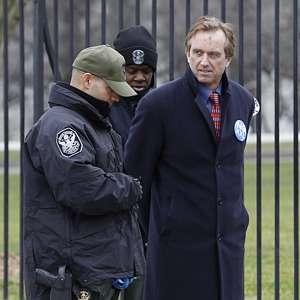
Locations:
column 189, row 151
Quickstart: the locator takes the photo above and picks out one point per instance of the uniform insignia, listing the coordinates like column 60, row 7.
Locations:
column 138, row 56
column 84, row 295
column 256, row 107
column 240, row 130
column 68, row 142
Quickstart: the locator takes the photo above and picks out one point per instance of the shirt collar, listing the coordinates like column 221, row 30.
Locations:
column 204, row 91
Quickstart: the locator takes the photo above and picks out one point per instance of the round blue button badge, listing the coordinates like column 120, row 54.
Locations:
column 240, row 130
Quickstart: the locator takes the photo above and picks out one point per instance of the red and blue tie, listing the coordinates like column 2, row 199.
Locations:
column 214, row 97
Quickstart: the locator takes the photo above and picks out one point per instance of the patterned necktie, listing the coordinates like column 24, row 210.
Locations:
column 216, row 112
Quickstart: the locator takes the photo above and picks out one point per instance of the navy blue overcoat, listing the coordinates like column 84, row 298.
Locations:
column 193, row 190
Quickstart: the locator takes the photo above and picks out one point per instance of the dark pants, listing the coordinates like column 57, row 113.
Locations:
column 103, row 292
column 112, row 294
column 134, row 291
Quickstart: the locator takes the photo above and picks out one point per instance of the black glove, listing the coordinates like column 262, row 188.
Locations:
column 138, row 188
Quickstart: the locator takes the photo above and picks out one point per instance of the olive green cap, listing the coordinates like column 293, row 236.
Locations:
column 108, row 64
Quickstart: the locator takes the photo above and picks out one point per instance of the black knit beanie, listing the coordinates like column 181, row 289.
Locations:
column 137, row 46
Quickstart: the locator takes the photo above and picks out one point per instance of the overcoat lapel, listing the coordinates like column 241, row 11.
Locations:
column 203, row 109
column 224, row 102
column 192, row 82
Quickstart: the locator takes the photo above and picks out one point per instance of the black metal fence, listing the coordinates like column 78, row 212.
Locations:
column 267, row 34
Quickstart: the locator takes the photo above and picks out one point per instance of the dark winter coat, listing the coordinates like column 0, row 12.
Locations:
column 121, row 115
column 194, row 188
column 122, row 112
column 79, row 208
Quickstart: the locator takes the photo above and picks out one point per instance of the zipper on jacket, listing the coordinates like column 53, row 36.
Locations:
column 117, row 153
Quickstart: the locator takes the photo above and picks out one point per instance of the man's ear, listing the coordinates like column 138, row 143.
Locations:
column 187, row 54
column 228, row 62
column 86, row 79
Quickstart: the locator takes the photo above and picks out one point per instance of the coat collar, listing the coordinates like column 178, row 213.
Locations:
column 62, row 95
column 226, row 91
column 193, row 83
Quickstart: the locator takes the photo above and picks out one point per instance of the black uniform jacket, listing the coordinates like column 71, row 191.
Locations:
column 79, row 208
column 194, row 188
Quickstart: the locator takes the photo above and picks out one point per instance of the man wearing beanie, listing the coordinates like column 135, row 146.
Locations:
column 139, row 50
column 81, row 234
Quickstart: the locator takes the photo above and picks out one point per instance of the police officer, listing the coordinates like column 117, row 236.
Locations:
column 139, row 50
column 187, row 143
column 79, row 207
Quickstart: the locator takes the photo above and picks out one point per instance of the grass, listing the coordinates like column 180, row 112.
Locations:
column 14, row 192
column 286, row 230
column 268, row 231
column 14, row 157
column 267, row 148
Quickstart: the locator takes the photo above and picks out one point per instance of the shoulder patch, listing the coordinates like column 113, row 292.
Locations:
column 256, row 107
column 68, row 142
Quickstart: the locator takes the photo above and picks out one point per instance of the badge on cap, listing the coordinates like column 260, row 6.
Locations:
column 240, row 130
column 138, row 56
column 68, row 142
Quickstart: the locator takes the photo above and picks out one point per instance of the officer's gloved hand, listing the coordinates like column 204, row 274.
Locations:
column 138, row 188
column 122, row 283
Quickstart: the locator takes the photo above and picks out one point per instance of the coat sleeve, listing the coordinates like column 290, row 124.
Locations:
column 77, row 181
column 142, row 151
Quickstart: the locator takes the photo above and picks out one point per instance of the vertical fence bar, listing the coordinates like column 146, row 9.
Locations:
column 38, row 53
column 223, row 10
column 258, row 155
column 87, row 23
column 296, row 158
column 71, row 32
column 22, row 130
column 241, row 44
column 49, row 49
column 55, row 37
column 241, row 41
column 277, row 151
column 6, row 153
column 154, row 27
column 205, row 7
column 121, row 14
column 187, row 18
column 171, row 40
column 154, row 19
column 187, row 15
column 103, row 21
column 137, row 12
